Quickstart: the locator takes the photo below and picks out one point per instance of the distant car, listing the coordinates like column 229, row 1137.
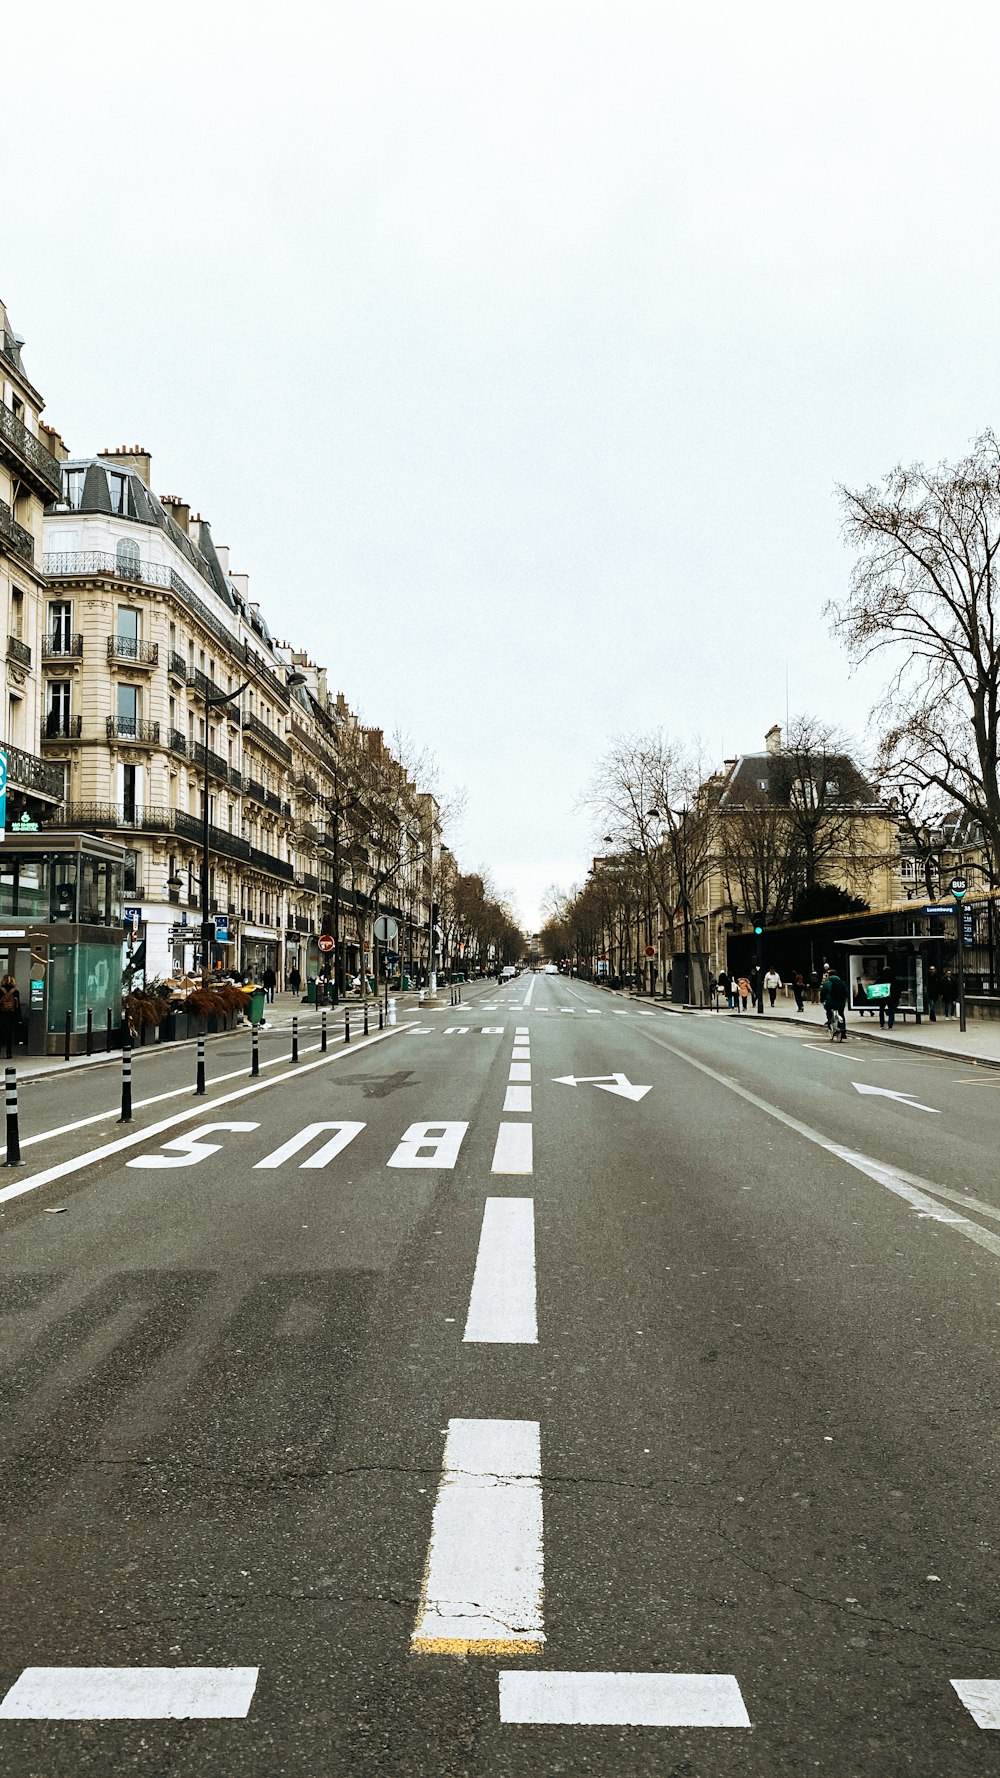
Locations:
column 551, row 969
column 508, row 972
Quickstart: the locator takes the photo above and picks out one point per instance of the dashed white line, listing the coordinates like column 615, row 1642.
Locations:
column 981, row 1698
column 648, row 1700
column 129, row 1694
column 519, row 1071
column 502, row 1304
column 518, row 1099
column 482, row 1590
column 513, row 1152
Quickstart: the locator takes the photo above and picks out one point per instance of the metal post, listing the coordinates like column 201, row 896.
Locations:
column 107, row 1044
column 295, row 1040
column 960, row 932
column 322, row 1030
column 336, row 905
column 200, row 1082
column 347, row 1024
column 366, row 1019
column 381, row 1020
column 126, row 1116
column 13, row 1134
column 254, row 1051
column 69, row 1032
column 90, row 1031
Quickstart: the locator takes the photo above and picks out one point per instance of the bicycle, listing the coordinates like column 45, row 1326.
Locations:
column 837, row 1026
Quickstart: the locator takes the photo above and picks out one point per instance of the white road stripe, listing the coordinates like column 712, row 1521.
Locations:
column 518, row 1099
column 513, row 1151
column 520, row 1071
column 981, row 1698
column 521, row 1031
column 482, row 1589
column 531, row 990
column 502, row 1305
column 648, row 1700
column 520, row 1053
column 108, row 1694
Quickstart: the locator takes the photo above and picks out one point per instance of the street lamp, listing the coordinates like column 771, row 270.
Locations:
column 207, row 922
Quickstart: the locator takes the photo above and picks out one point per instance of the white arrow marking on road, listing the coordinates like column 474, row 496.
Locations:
column 904, row 1098
column 607, row 1083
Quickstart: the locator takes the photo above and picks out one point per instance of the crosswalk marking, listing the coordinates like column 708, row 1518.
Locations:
column 129, row 1694
column 648, row 1700
column 502, row 1304
column 981, row 1698
column 482, row 1588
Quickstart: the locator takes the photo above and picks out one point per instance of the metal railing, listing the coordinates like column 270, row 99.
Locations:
column 18, row 651
column 236, row 778
column 272, row 802
column 28, row 772
column 178, row 742
column 132, row 728
column 253, row 789
column 177, row 665
column 252, row 725
column 62, row 647
column 310, row 880
column 60, row 726
column 14, row 535
column 309, row 831
column 130, row 648
column 15, row 434
column 154, row 818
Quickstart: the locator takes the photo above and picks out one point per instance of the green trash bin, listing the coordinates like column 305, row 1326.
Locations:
column 257, row 1006
column 311, row 990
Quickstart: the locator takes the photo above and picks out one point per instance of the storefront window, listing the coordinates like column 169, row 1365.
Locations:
column 82, row 976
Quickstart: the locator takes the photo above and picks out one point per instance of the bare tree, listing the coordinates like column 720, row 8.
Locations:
column 924, row 587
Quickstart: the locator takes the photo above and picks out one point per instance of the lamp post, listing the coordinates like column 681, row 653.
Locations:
column 207, row 922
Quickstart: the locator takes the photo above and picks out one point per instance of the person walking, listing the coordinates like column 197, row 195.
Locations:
column 726, row 988
column 772, row 982
column 294, row 981
column 949, row 994
column 833, row 994
column 743, row 993
column 799, row 990
column 814, row 987
column 269, row 982
column 10, row 1014
column 892, row 1000
column 932, row 994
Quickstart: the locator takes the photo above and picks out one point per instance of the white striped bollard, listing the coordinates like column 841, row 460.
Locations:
column 13, row 1135
column 254, row 1050
column 392, row 1012
column 126, row 1116
column 200, row 1082
column 295, row 1040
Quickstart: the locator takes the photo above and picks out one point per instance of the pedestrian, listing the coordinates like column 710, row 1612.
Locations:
column 10, row 1014
column 269, row 982
column 949, row 994
column 294, row 980
column 932, row 994
column 743, row 992
column 772, row 982
column 726, row 987
column 799, row 990
column 833, row 994
column 814, row 987
column 892, row 1000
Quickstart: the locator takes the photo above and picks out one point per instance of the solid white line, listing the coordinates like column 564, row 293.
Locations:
column 482, row 1589
column 531, row 990
column 64, row 1168
column 108, row 1694
column 908, row 1186
column 518, row 1099
column 981, row 1698
column 513, row 1151
column 502, row 1304
column 646, row 1700
column 520, row 1071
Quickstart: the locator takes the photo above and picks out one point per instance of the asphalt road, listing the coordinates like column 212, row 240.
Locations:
column 350, row 1468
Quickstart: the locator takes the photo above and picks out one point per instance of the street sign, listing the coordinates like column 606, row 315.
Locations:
column 324, row 942
column 650, row 951
column 222, row 929
column 958, row 886
column 385, row 928
column 132, row 918
column 3, row 790
column 939, row 908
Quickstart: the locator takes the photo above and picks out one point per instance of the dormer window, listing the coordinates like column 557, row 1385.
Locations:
column 118, row 491
column 762, row 783
column 73, row 480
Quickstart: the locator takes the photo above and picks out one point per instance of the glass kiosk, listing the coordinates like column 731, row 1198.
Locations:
column 62, row 934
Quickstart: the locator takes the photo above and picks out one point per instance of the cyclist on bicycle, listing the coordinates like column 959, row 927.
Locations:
column 833, row 994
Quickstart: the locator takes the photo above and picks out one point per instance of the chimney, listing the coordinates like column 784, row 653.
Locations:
column 52, row 441
column 729, row 763
column 178, row 509
column 772, row 740
column 222, row 551
column 133, row 457
column 242, row 584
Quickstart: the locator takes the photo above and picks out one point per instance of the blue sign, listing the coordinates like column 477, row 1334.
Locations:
column 3, row 790
column 133, row 917
column 222, row 929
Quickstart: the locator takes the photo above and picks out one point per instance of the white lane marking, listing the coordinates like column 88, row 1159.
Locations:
column 518, row 1099
column 482, row 1588
column 457, row 1030
column 520, row 1071
column 567, row 1009
column 643, row 1014
column 502, row 1304
column 531, row 990
column 594, row 1012
column 420, row 1030
column 647, row 1700
column 493, row 1030
column 606, row 1083
column 620, row 1013
column 442, row 1140
column 520, row 1053
column 521, row 1031
column 346, row 1133
column 62, row 1169
column 513, row 1152
column 129, row 1694
column 887, row 1093
column 190, row 1147
column 981, row 1698
column 908, row 1186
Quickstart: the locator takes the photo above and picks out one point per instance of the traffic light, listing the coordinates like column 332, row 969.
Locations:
column 758, row 925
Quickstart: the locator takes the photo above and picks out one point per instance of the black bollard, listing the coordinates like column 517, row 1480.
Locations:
column 381, row 1015
column 254, row 1052
column 107, row 1041
column 126, row 1116
column 295, row 1040
column 90, row 1032
column 347, row 1024
column 200, row 1082
column 366, row 1019
column 69, row 1033
column 322, row 1030
column 13, row 1134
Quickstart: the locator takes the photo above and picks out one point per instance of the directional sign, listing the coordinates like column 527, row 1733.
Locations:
column 607, row 1083
column 386, row 928
column 903, row 1098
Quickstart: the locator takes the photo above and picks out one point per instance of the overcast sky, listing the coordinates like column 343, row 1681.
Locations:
column 516, row 350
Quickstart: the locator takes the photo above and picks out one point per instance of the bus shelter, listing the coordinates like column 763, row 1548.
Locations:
column 868, row 959
column 62, row 933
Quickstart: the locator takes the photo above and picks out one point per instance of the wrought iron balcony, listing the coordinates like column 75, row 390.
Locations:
column 154, row 818
column 178, row 742
column 310, row 881
column 46, row 476
column 27, row 772
column 309, row 831
column 133, row 728
column 59, row 725
column 235, row 778
column 60, row 647
column 253, row 789
column 131, row 649
column 272, row 802
column 14, row 535
column 252, row 725
column 177, row 665
column 18, row 651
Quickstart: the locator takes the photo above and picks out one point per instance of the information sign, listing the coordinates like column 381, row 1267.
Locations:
column 958, row 887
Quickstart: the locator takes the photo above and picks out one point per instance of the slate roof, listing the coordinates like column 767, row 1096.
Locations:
column 778, row 773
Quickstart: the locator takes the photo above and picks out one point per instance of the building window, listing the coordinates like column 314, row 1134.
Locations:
column 128, row 709
column 17, row 613
column 762, row 783
column 132, row 876
column 127, row 624
column 908, row 870
column 73, row 482
column 118, row 491
column 130, row 782
column 60, row 626
column 57, row 721
column 127, row 558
